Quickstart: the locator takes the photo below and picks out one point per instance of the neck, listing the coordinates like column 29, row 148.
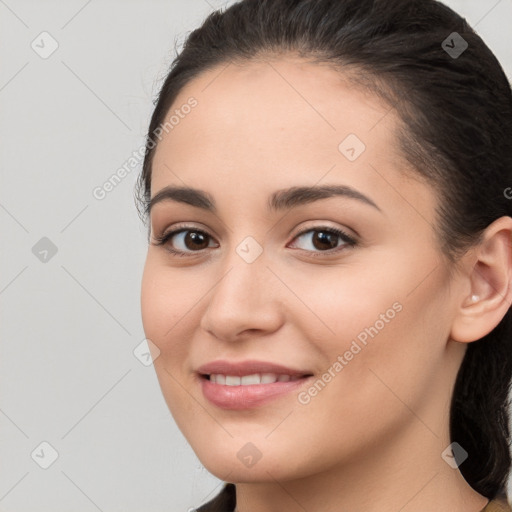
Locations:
column 406, row 474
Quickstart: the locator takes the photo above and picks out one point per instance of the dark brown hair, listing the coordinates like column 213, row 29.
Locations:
column 456, row 133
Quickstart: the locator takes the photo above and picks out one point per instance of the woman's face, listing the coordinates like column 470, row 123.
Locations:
column 369, row 321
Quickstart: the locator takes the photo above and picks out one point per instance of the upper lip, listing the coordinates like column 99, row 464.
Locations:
column 249, row 367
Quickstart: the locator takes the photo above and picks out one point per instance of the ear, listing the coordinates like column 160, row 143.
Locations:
column 489, row 281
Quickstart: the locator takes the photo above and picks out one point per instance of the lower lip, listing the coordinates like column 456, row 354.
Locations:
column 249, row 396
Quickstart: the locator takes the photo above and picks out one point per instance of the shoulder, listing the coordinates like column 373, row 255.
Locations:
column 498, row 504
column 225, row 501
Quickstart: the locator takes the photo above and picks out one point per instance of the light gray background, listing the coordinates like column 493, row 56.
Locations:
column 69, row 325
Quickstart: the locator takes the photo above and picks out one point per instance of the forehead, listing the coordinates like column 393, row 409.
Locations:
column 277, row 104
column 270, row 124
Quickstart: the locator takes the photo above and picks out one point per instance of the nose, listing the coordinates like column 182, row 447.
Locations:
column 244, row 300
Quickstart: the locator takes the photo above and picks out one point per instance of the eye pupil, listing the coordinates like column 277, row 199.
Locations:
column 195, row 238
column 323, row 236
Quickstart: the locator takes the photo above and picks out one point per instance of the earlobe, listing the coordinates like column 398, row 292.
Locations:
column 490, row 283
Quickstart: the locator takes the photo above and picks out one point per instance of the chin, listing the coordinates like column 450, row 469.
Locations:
column 240, row 461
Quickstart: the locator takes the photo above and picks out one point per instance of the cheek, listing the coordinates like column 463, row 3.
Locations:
column 340, row 304
column 381, row 319
column 152, row 302
column 164, row 304
column 164, row 307
column 391, row 355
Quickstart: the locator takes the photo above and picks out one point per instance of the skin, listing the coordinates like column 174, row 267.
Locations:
column 372, row 438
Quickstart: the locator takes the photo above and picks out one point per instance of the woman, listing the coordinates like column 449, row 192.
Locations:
column 327, row 283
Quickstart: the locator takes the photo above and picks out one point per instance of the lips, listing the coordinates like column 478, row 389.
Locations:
column 249, row 367
column 238, row 395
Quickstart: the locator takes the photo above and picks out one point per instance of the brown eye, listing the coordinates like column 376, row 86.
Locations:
column 188, row 240
column 184, row 241
column 195, row 240
column 324, row 239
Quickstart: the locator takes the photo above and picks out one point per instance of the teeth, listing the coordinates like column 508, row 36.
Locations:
column 232, row 380
column 250, row 379
column 268, row 378
column 246, row 380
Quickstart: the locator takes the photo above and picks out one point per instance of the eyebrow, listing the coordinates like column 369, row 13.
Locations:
column 280, row 200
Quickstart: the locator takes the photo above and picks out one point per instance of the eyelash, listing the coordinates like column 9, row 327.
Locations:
column 350, row 242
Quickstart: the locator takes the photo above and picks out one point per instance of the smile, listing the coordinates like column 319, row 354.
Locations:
column 249, row 391
column 246, row 380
